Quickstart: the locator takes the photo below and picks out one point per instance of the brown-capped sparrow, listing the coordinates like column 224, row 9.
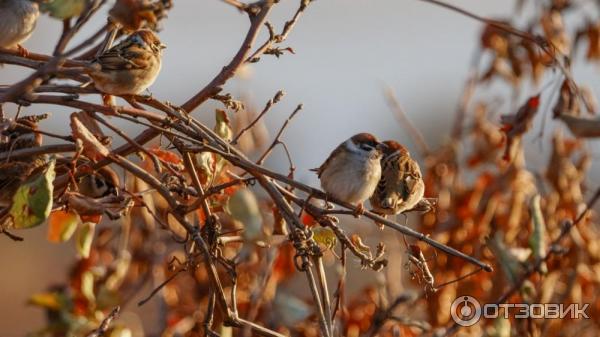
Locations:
column 20, row 135
column 129, row 67
column 100, row 183
column 401, row 186
column 353, row 169
column 17, row 22
column 132, row 15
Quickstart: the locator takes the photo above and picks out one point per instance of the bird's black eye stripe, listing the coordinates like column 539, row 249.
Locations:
column 367, row 147
column 99, row 182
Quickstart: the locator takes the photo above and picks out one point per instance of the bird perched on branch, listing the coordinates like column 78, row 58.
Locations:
column 129, row 67
column 20, row 134
column 352, row 170
column 401, row 186
column 17, row 22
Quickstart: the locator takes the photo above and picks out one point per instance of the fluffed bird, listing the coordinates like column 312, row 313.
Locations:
column 352, row 170
column 129, row 67
column 401, row 186
column 17, row 22
column 13, row 172
column 100, row 183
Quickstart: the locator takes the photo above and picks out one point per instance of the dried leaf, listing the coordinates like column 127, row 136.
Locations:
column 167, row 156
column 357, row 241
column 567, row 101
column 91, row 146
column 223, row 126
column 205, row 162
column 516, row 125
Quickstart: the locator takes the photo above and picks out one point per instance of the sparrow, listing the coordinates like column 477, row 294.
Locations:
column 129, row 67
column 401, row 186
column 132, row 15
column 17, row 22
column 14, row 171
column 352, row 170
column 100, row 183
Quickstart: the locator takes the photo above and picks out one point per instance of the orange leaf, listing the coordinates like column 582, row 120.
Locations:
column 95, row 218
column 166, row 156
column 61, row 225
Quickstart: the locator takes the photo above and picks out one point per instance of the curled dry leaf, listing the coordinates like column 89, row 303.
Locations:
column 514, row 126
column 554, row 30
column 111, row 205
column 92, row 148
column 357, row 241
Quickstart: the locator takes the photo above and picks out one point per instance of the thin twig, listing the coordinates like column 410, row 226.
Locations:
column 278, row 140
column 416, row 135
column 105, row 325
column 278, row 96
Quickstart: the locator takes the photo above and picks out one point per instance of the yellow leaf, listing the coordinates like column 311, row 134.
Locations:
column 325, row 236
column 223, row 127
column 45, row 300
column 84, row 239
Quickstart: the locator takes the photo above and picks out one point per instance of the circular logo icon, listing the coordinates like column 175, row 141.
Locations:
column 465, row 310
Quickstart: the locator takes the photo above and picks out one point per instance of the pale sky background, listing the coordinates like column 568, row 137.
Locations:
column 346, row 51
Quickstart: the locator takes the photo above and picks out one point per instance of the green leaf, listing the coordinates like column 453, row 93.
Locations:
column 85, row 238
column 32, row 202
column 243, row 207
column 508, row 258
column 63, row 9
column 500, row 328
column 537, row 239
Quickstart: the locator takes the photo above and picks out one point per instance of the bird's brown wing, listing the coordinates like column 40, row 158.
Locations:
column 411, row 175
column 125, row 55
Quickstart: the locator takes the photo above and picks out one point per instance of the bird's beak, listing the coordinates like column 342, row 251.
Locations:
column 381, row 147
column 162, row 46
